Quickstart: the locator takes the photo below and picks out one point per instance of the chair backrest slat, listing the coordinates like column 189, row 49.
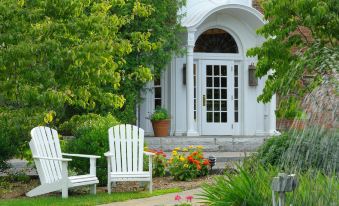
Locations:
column 135, row 149
column 126, row 143
column 129, row 148
column 45, row 143
column 117, row 144
column 123, row 144
column 141, row 150
column 112, row 145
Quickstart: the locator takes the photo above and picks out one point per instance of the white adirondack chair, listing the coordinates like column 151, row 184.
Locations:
column 52, row 167
column 125, row 158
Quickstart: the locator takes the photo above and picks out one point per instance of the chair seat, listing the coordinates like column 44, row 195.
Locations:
column 130, row 174
column 83, row 180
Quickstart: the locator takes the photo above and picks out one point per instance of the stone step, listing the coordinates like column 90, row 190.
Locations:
column 210, row 143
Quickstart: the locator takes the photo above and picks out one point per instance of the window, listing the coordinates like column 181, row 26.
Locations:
column 157, row 93
column 236, row 93
column 216, row 41
column 195, row 85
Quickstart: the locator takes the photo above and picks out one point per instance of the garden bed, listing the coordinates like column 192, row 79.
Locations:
column 9, row 190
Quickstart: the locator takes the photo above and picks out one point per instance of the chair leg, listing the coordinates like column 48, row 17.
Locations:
column 93, row 189
column 109, row 187
column 64, row 192
column 150, row 185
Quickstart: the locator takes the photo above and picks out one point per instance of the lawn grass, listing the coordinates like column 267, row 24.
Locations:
column 100, row 198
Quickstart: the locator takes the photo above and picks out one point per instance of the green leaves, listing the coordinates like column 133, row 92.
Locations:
column 301, row 36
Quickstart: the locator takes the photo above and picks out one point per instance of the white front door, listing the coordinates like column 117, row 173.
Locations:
column 220, row 97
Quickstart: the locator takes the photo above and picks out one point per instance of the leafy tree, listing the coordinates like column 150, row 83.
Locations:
column 302, row 39
column 73, row 57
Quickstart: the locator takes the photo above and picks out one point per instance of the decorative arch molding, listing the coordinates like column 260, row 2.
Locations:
column 195, row 18
column 205, row 27
column 216, row 41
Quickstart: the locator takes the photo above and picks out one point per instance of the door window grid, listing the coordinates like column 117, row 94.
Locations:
column 216, row 92
column 157, row 93
column 236, row 93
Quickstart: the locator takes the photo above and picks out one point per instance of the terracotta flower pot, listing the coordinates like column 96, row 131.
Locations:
column 161, row 127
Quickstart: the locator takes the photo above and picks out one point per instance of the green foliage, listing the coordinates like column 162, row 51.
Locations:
column 301, row 38
column 91, row 137
column 185, row 167
column 245, row 188
column 15, row 131
column 289, row 108
column 159, row 163
column 252, row 187
column 271, row 151
column 76, row 57
column 312, row 148
column 160, row 114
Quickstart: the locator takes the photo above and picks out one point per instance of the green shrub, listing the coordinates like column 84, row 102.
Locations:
column 252, row 187
column 91, row 137
column 273, row 148
column 312, row 148
column 159, row 163
column 15, row 127
column 160, row 114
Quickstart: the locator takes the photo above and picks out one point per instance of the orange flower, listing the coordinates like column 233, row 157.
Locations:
column 198, row 167
column 200, row 156
column 206, row 162
column 190, row 159
column 196, row 162
column 194, row 153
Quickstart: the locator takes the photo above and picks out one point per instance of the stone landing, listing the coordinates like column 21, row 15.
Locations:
column 210, row 143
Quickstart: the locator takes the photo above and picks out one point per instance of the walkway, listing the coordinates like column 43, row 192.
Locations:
column 161, row 200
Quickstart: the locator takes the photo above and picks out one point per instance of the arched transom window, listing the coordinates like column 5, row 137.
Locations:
column 216, row 41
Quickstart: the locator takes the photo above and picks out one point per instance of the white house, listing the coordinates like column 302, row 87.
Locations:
column 207, row 92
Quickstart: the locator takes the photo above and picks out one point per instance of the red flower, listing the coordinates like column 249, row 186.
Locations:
column 189, row 198
column 206, row 162
column 177, row 198
column 190, row 159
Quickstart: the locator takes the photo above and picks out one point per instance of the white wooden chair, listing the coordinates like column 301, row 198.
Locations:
column 125, row 158
column 52, row 167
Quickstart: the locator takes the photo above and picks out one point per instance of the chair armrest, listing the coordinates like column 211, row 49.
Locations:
column 52, row 158
column 149, row 153
column 108, row 154
column 81, row 155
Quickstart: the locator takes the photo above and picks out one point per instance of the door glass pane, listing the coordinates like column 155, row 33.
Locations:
column 216, row 82
column 223, row 70
column 216, row 117
column 236, row 105
column 216, row 105
column 235, row 81
column 236, row 93
column 209, row 93
column 209, row 69
column 216, row 94
column 223, row 116
column 209, row 105
column 236, row 118
column 224, row 94
column 209, row 82
column 216, row 70
column 223, row 82
column 223, row 106
column 209, row 116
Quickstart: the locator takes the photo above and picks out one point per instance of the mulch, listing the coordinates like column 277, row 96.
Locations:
column 17, row 190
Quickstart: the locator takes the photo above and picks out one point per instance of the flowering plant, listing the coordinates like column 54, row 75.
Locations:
column 159, row 162
column 188, row 163
column 187, row 203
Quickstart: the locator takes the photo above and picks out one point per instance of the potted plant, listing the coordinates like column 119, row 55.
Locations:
column 160, row 122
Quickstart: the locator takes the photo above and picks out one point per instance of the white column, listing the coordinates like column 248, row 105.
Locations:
column 190, row 84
